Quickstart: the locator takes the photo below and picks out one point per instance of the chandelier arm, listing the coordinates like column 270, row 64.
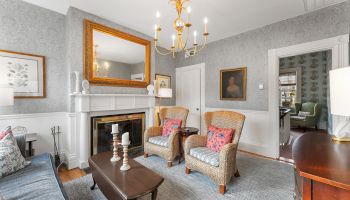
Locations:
column 186, row 41
column 161, row 53
column 204, row 44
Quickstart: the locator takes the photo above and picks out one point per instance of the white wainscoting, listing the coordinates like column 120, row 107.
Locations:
column 41, row 124
column 256, row 136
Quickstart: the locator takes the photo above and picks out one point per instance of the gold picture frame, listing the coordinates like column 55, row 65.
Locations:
column 162, row 81
column 25, row 72
column 89, row 27
column 233, row 84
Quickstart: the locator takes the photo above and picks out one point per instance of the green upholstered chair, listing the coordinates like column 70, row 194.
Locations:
column 310, row 120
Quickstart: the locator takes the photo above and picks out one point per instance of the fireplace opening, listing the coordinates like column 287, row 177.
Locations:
column 101, row 128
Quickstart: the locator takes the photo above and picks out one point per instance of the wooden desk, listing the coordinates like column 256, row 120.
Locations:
column 323, row 166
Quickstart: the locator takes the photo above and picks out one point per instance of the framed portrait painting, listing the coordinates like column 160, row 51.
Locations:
column 24, row 72
column 162, row 81
column 233, row 84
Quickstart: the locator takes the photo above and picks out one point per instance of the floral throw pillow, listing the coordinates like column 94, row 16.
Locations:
column 4, row 132
column 11, row 159
column 169, row 126
column 218, row 137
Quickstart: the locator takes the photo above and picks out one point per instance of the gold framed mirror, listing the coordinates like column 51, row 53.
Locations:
column 115, row 58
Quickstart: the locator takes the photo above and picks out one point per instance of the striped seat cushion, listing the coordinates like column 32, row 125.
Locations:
column 206, row 155
column 159, row 140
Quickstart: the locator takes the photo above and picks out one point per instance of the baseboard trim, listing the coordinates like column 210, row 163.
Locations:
column 72, row 161
column 83, row 164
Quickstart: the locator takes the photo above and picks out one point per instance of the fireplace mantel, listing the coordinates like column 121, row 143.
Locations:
column 106, row 102
column 87, row 105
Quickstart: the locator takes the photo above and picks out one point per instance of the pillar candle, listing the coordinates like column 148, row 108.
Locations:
column 115, row 128
column 125, row 139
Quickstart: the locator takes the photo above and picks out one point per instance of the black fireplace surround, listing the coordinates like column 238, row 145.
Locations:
column 101, row 128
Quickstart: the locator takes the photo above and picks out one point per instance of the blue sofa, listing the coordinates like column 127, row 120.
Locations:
column 39, row 180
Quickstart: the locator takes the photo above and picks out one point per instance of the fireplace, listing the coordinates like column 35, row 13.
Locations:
column 101, row 127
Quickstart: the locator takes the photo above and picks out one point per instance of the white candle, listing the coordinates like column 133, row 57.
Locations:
column 125, row 139
column 115, row 128
column 205, row 25
column 195, row 37
column 173, row 38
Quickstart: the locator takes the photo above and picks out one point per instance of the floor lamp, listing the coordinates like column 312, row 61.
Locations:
column 340, row 101
column 163, row 93
column 7, row 97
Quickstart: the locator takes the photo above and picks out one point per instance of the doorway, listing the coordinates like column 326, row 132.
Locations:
column 190, row 92
column 340, row 58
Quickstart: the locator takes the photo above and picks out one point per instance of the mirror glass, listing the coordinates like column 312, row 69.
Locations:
column 117, row 58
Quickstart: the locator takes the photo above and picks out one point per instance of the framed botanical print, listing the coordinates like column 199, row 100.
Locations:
column 233, row 84
column 162, row 81
column 24, row 72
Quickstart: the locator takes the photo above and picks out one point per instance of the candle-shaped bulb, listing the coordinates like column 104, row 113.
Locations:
column 194, row 37
column 158, row 14
column 189, row 10
column 173, row 37
column 205, row 25
column 155, row 31
column 205, row 20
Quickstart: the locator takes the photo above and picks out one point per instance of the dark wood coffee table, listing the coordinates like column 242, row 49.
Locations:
column 115, row 184
column 184, row 133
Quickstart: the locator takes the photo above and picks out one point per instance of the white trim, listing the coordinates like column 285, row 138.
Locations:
column 340, row 58
column 31, row 115
column 200, row 66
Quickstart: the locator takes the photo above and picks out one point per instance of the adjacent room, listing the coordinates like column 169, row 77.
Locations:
column 174, row 99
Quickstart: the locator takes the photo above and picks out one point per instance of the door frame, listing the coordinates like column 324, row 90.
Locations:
column 200, row 66
column 340, row 58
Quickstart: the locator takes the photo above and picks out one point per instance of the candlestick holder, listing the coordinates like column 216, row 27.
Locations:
column 115, row 157
column 125, row 165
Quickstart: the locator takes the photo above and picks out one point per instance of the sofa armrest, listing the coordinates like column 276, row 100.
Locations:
column 195, row 141
column 21, row 143
column 152, row 132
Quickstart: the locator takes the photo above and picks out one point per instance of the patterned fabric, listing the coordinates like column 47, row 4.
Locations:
column 170, row 125
column 4, row 132
column 11, row 159
column 159, row 140
column 218, row 137
column 206, row 155
column 303, row 114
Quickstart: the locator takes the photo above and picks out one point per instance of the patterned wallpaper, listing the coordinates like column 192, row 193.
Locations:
column 314, row 78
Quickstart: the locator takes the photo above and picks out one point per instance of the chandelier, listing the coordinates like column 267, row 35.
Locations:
column 179, row 41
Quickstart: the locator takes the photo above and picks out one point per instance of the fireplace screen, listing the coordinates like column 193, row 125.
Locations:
column 102, row 128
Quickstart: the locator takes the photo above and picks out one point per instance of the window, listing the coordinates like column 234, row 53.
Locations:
column 288, row 88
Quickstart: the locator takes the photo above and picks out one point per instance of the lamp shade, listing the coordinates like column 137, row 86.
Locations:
column 340, row 91
column 165, row 92
column 6, row 96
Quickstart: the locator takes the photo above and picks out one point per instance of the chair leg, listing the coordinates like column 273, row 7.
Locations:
column 237, row 174
column 145, row 155
column 188, row 170
column 222, row 189
column 170, row 163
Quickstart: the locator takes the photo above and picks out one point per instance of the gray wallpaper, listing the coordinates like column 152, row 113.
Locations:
column 30, row 29
column 117, row 69
column 314, row 79
column 251, row 49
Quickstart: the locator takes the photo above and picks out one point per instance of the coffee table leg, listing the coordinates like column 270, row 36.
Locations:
column 93, row 186
column 154, row 194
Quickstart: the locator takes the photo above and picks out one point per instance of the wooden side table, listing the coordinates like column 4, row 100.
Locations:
column 184, row 133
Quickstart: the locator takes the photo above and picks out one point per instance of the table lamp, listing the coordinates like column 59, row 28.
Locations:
column 340, row 101
column 6, row 96
column 163, row 93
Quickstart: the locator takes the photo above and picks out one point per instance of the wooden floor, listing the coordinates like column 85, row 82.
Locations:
column 68, row 175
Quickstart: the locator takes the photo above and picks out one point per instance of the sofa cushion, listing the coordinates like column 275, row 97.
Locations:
column 298, row 118
column 218, row 137
column 39, row 180
column 11, row 159
column 159, row 140
column 303, row 114
column 206, row 155
column 170, row 125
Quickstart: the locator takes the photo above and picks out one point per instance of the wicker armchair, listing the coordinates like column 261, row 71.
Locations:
column 219, row 166
column 165, row 147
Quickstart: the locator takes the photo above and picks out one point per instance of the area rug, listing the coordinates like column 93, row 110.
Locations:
column 260, row 179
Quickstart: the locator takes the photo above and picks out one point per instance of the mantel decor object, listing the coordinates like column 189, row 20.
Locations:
column 115, row 131
column 340, row 102
column 125, row 143
column 86, row 86
column 77, row 82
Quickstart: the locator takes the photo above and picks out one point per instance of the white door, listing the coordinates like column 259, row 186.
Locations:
column 190, row 92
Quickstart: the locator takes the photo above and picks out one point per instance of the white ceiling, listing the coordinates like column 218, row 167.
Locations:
column 226, row 17
column 118, row 50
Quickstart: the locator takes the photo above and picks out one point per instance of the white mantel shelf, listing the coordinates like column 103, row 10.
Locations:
column 109, row 102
